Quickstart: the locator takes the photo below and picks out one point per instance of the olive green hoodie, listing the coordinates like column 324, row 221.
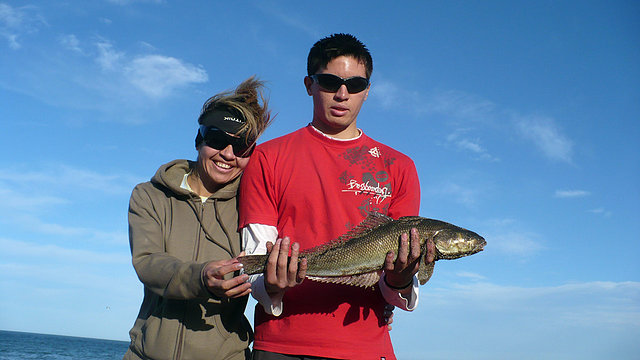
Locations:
column 173, row 235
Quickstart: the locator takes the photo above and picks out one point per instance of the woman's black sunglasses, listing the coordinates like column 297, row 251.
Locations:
column 219, row 140
column 332, row 83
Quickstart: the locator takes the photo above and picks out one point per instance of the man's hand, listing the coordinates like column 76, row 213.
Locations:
column 214, row 273
column 280, row 273
column 399, row 274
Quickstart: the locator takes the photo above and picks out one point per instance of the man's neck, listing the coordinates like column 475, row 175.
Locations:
column 349, row 133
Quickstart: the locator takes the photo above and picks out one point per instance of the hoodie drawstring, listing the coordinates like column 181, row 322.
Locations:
column 224, row 229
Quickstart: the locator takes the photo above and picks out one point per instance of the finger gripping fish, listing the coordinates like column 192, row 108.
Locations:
column 357, row 257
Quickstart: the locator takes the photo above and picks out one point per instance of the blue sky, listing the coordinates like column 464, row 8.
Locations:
column 522, row 118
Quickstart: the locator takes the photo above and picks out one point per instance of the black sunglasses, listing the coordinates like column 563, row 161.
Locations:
column 219, row 140
column 332, row 83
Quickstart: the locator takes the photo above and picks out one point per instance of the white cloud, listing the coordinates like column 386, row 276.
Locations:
column 616, row 298
column 460, row 105
column 71, row 233
column 451, row 103
column 108, row 58
column 571, row 193
column 468, row 316
column 16, row 200
column 20, row 249
column 601, row 211
column 508, row 236
column 462, row 142
column 64, row 178
column 546, row 136
column 388, row 94
column 470, row 145
column 470, row 275
column 127, row 2
column 461, row 194
column 15, row 22
column 70, row 42
column 157, row 75
column 34, row 197
column 516, row 243
column 463, row 108
column 296, row 21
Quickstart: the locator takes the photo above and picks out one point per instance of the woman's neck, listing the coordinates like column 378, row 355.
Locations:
column 198, row 186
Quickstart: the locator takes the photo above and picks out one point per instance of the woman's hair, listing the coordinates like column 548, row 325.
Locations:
column 248, row 98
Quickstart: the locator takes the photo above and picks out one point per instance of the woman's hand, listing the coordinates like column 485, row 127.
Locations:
column 235, row 287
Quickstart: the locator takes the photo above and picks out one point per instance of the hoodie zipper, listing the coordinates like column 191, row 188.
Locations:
column 180, row 341
column 196, row 252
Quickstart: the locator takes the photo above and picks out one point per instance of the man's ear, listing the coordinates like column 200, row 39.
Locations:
column 307, row 84
column 366, row 94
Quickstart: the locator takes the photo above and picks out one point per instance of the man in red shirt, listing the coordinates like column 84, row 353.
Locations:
column 310, row 187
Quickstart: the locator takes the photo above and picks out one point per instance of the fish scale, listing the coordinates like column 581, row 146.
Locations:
column 357, row 257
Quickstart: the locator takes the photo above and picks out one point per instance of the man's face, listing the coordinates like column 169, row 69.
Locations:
column 335, row 113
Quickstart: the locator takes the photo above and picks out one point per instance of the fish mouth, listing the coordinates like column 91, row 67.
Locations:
column 459, row 249
column 479, row 246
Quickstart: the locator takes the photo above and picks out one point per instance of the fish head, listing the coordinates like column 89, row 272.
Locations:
column 455, row 242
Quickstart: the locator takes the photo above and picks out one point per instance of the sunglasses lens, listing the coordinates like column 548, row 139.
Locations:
column 245, row 151
column 329, row 82
column 356, row 84
column 219, row 140
column 333, row 83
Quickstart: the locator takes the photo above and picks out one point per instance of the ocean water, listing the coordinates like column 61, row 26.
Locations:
column 30, row 346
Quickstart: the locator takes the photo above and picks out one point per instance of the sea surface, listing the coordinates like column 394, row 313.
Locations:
column 29, row 346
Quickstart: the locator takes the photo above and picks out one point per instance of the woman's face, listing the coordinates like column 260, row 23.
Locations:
column 218, row 167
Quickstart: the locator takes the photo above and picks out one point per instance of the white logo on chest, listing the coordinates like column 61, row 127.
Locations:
column 380, row 193
column 374, row 152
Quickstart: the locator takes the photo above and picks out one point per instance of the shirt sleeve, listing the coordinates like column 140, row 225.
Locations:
column 257, row 195
column 257, row 220
column 159, row 271
column 406, row 200
column 254, row 242
column 395, row 298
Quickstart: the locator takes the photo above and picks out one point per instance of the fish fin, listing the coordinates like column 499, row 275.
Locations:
column 253, row 264
column 372, row 221
column 425, row 271
column 362, row 280
column 411, row 218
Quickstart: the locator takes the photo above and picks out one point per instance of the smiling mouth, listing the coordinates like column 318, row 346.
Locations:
column 223, row 165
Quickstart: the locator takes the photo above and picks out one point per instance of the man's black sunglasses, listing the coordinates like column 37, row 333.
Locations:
column 219, row 140
column 332, row 83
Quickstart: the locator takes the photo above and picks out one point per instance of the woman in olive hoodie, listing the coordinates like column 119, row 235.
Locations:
column 184, row 240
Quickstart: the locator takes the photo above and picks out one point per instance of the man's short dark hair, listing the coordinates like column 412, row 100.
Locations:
column 333, row 46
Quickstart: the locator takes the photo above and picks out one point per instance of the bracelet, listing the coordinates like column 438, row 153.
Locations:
column 395, row 287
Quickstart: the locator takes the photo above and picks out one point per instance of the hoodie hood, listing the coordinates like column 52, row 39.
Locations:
column 170, row 176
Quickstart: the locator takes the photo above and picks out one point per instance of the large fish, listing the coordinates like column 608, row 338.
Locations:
column 357, row 257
